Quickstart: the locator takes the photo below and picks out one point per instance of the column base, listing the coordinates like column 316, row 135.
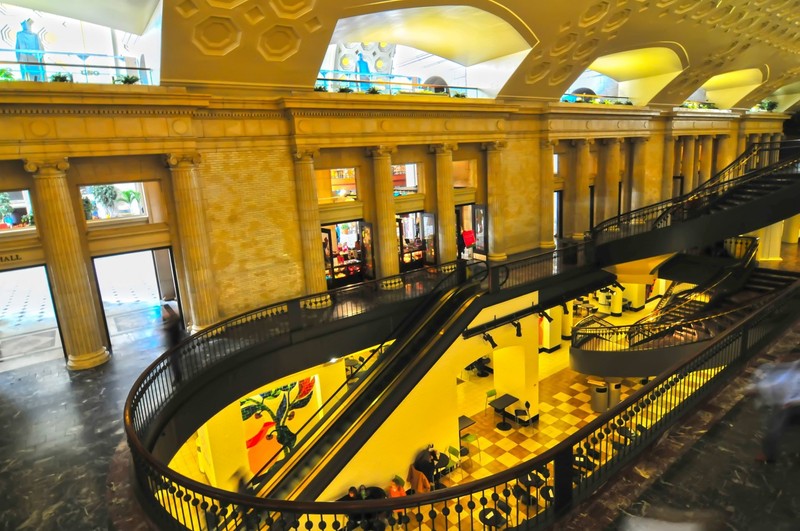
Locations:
column 547, row 244
column 317, row 302
column 497, row 257
column 88, row 361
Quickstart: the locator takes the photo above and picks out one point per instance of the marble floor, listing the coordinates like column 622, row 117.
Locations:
column 61, row 438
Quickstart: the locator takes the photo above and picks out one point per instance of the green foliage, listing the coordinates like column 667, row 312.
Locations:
column 125, row 80
column 345, row 90
column 373, row 90
column 5, row 205
column 6, row 75
column 87, row 207
column 768, row 105
column 61, row 77
column 106, row 195
column 459, row 95
column 320, row 88
column 28, row 219
column 129, row 196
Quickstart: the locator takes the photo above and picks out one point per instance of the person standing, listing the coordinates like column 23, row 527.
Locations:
column 30, row 52
column 778, row 389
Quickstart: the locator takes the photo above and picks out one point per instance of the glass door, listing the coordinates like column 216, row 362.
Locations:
column 327, row 256
column 429, row 237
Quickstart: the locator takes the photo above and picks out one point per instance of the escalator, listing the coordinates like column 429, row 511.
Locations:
column 721, row 208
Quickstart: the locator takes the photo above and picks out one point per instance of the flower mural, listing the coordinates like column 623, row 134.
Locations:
column 277, row 408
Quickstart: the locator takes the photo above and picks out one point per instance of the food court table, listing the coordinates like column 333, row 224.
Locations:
column 500, row 405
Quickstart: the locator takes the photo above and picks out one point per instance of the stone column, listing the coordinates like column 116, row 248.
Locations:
column 723, row 154
column 638, row 172
column 706, row 158
column 546, row 221
column 754, row 162
column 776, row 152
column 191, row 222
column 310, row 225
column 387, row 258
column 791, row 230
column 67, row 270
column 668, row 168
column 766, row 159
column 496, row 200
column 741, row 143
column 606, row 184
column 688, row 164
column 446, row 204
column 580, row 205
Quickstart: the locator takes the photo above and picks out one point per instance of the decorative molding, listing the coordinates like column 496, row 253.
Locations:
column 495, row 145
column 381, row 151
column 80, row 110
column 305, row 154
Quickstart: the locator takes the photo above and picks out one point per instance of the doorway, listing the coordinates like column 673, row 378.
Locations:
column 139, row 293
column 28, row 326
column 558, row 214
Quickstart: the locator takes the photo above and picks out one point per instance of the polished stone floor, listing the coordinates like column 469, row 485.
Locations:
column 61, row 438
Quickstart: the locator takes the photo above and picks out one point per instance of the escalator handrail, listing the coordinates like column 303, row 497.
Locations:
column 419, row 310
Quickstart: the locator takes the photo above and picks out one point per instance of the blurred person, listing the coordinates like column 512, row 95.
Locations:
column 777, row 388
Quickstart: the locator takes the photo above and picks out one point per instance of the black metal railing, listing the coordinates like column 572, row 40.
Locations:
column 527, row 496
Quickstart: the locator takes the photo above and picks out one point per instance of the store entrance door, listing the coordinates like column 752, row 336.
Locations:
column 28, row 326
column 139, row 295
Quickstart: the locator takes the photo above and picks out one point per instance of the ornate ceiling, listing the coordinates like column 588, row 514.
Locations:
column 279, row 45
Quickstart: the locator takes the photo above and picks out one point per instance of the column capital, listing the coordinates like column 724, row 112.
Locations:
column 609, row 141
column 639, row 139
column 173, row 160
column 443, row 148
column 305, row 154
column 381, row 151
column 37, row 167
column 548, row 143
column 575, row 142
column 495, row 145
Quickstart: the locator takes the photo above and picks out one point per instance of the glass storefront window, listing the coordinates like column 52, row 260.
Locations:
column 336, row 185
column 411, row 243
column 347, row 253
column 16, row 211
column 112, row 201
column 405, row 179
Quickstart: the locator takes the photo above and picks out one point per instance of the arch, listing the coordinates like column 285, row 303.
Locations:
column 787, row 96
column 728, row 89
column 643, row 72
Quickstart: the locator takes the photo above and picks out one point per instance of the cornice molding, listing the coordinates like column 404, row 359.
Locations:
column 243, row 113
column 85, row 110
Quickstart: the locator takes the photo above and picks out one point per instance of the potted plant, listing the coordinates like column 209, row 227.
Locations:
column 6, row 75
column 320, row 88
column 106, row 195
column 768, row 105
column 6, row 210
column 28, row 219
column 345, row 90
column 87, row 208
column 373, row 90
column 61, row 77
column 129, row 196
column 125, row 80
column 459, row 95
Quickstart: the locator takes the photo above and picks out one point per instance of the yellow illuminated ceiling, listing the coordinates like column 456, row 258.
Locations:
column 739, row 78
column 461, row 34
column 636, row 64
column 126, row 15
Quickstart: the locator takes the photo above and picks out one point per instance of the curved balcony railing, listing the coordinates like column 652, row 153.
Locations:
column 530, row 495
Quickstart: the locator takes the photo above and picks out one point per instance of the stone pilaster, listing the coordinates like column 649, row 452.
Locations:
column 766, row 140
column 547, row 150
column 754, row 162
column 668, row 167
column 79, row 322
column 387, row 258
column 496, row 200
column 723, row 155
column 580, row 205
column 775, row 153
column 606, row 184
column 638, row 172
column 309, row 221
column 193, row 235
column 688, row 164
column 706, row 158
column 445, row 203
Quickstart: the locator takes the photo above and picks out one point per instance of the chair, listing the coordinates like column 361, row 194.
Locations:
column 455, row 457
column 523, row 413
column 471, row 438
column 491, row 393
